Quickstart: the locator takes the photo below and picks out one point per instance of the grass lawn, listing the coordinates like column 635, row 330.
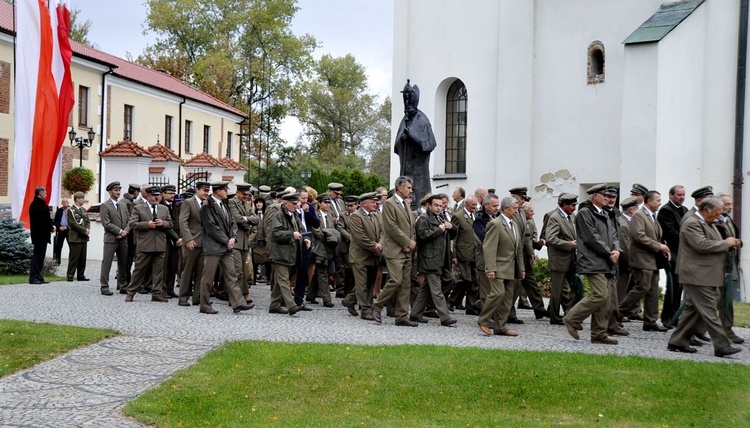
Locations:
column 742, row 314
column 24, row 279
column 23, row 344
column 279, row 384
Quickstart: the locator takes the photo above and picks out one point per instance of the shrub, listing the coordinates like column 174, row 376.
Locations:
column 541, row 271
column 78, row 179
column 15, row 250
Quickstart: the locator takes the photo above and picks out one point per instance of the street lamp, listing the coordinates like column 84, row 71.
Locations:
column 306, row 174
column 81, row 142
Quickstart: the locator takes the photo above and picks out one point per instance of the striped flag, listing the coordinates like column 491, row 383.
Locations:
column 43, row 97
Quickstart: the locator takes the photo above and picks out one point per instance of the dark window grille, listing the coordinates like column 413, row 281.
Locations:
column 83, row 106
column 455, row 128
column 168, row 132
column 128, row 125
column 229, row 144
column 188, row 135
column 206, row 137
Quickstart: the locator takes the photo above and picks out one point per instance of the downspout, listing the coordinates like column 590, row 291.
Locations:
column 739, row 128
column 102, row 135
column 179, row 142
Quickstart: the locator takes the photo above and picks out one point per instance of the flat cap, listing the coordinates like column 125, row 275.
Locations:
column 78, row 195
column 336, row 187
column 189, row 193
column 568, row 198
column 429, row 198
column 521, row 191
column 291, row 197
column 639, row 188
column 597, row 188
column 202, row 185
column 369, row 195
column 134, row 188
column 219, row 185
column 351, row 200
column 629, row 202
column 611, row 190
column 112, row 185
column 324, row 198
column 244, row 187
column 425, row 199
column 264, row 188
column 703, row 192
column 153, row 190
column 169, row 188
column 526, row 198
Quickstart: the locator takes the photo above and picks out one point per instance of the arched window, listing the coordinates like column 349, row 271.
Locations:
column 455, row 129
column 595, row 63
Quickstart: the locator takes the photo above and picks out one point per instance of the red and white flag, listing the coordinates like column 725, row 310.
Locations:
column 43, row 97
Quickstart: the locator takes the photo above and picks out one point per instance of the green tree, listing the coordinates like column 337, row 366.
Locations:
column 79, row 30
column 380, row 148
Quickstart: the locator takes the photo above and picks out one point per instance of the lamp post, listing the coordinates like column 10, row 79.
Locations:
column 81, row 142
column 306, row 174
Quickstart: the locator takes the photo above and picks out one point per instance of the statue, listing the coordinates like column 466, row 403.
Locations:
column 414, row 143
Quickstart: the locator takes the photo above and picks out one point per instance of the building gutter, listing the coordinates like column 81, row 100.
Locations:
column 739, row 128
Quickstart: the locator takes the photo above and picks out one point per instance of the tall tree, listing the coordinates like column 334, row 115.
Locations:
column 381, row 146
column 79, row 30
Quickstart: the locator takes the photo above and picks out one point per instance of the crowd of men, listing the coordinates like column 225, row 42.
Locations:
column 476, row 255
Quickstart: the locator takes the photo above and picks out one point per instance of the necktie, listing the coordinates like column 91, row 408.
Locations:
column 513, row 229
column 325, row 223
column 153, row 209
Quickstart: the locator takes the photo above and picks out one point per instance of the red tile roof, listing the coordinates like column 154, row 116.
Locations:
column 163, row 154
column 232, row 164
column 129, row 70
column 125, row 149
column 204, row 160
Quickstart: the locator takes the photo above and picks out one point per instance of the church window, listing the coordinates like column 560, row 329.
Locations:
column 455, row 129
column 595, row 63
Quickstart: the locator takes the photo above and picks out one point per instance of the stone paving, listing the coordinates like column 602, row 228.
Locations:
column 89, row 386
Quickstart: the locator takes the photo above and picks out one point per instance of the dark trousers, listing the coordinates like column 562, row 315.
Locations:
column 60, row 238
column 37, row 262
column 77, row 259
column 171, row 259
column 302, row 281
column 672, row 295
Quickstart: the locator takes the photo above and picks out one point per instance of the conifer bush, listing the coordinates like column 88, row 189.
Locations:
column 15, row 249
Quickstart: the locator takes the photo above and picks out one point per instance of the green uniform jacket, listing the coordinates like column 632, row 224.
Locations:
column 78, row 224
column 284, row 249
column 432, row 244
column 246, row 219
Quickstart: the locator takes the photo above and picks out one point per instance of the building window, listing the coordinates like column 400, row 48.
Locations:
column 455, row 129
column 206, row 138
column 595, row 63
column 188, row 135
column 229, row 144
column 168, row 132
column 128, row 125
column 83, row 106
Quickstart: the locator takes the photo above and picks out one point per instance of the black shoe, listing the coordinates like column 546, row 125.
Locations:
column 106, row 292
column 241, row 308
column 736, row 339
column 556, row 322
column 305, row 308
column 695, row 342
column 654, row 327
column 294, row 309
column 618, row 332
column 70, row 279
column 328, row 304
column 460, row 307
column 667, row 324
column 210, row 311
column 313, row 301
column 451, row 308
column 142, row 291
column 524, row 307
column 83, row 278
column 278, row 310
column 431, row 314
column 726, row 351
column 514, row 321
column 702, row 337
column 423, row 320
column 171, row 294
column 406, row 323
column 685, row 349
column 541, row 314
column 44, row 281
column 123, row 291
column 471, row 311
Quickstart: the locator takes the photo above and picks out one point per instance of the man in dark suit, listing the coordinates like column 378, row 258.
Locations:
column 191, row 228
column 490, row 208
column 645, row 248
column 560, row 237
column 150, row 219
column 669, row 217
column 219, row 237
column 503, row 262
column 78, row 238
column 41, row 226
column 61, row 229
column 398, row 245
column 702, row 267
column 310, row 221
column 624, row 272
column 114, row 217
column 467, row 284
column 174, row 242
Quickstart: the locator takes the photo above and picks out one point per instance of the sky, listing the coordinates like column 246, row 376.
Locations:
column 363, row 28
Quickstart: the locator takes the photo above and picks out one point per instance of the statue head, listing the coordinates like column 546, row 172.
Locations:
column 411, row 98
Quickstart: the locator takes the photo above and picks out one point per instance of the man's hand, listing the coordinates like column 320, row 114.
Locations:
column 159, row 222
column 297, row 235
column 62, row 228
column 490, row 275
column 230, row 244
column 448, row 225
column 575, row 245
column 613, row 256
column 88, row 232
column 191, row 245
column 733, row 242
column 152, row 225
column 179, row 242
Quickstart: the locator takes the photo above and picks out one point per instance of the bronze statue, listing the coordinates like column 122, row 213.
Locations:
column 414, row 143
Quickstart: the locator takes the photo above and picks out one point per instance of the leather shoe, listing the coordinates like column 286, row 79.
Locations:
column 313, row 301
column 304, row 307
column 423, row 320
column 327, row 304
column 471, row 311
column 44, row 281
column 406, row 323
column 447, row 323
column 83, row 278
column 541, row 314
column 243, row 308
column 171, row 293
column 376, row 317
column 123, row 291
column 106, row 292
column 685, row 349
column 69, row 280
column 159, row 299
column 654, row 327
column 367, row 316
column 606, row 340
column 667, row 324
column 431, row 314
column 350, row 307
column 524, row 307
column 129, row 297
column 183, row 303
column 556, row 322
column 736, row 339
column 695, row 342
column 35, row 282
column 618, row 332
column 571, row 330
column 702, row 337
column 726, row 351
column 485, row 330
column 507, row 333
column 514, row 321
column 460, row 307
column 278, row 310
column 210, row 311
column 294, row 309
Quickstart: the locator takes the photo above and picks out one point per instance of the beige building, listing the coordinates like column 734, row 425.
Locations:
column 125, row 102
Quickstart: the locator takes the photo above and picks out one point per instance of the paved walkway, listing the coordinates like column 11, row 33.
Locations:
column 89, row 386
